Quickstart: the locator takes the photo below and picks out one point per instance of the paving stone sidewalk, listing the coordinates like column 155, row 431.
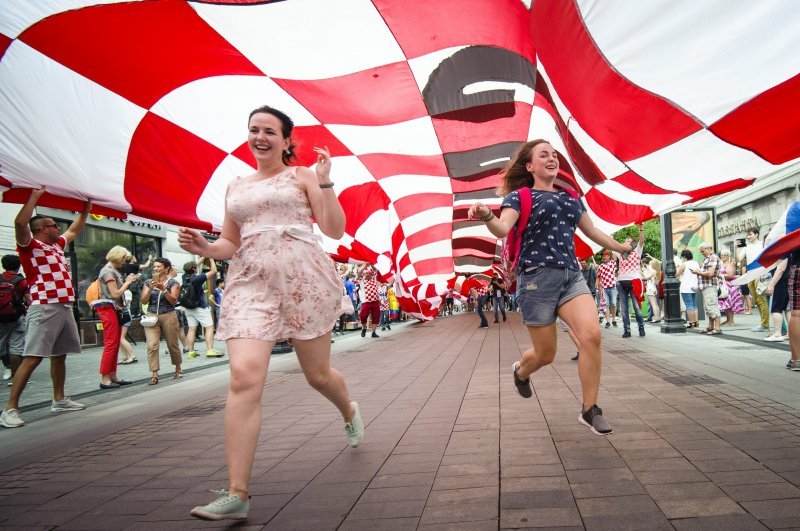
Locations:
column 706, row 436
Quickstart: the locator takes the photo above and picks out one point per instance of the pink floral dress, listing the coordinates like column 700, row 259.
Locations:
column 281, row 284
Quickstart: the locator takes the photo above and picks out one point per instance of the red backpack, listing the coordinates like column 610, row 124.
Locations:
column 12, row 306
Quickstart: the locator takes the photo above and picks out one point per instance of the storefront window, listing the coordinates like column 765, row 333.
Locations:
column 89, row 250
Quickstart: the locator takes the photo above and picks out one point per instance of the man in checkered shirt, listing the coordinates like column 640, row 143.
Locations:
column 51, row 329
column 370, row 305
column 707, row 285
column 629, row 285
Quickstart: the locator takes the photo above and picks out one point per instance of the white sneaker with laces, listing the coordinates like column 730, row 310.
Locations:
column 355, row 428
column 66, row 404
column 10, row 418
column 774, row 338
column 7, row 374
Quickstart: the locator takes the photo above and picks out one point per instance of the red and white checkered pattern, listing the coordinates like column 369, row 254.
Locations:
column 409, row 103
column 47, row 272
column 607, row 274
column 630, row 267
column 370, row 285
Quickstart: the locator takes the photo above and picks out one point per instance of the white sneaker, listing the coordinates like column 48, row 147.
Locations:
column 355, row 428
column 10, row 418
column 66, row 404
column 774, row 338
column 7, row 374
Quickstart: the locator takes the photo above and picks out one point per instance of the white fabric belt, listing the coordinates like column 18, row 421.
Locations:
column 299, row 232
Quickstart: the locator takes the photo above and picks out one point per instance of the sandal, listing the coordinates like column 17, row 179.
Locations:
column 715, row 332
column 178, row 374
column 153, row 380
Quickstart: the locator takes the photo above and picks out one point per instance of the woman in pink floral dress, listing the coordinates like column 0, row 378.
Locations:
column 735, row 302
column 280, row 284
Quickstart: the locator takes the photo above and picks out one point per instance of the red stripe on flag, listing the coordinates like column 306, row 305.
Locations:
column 624, row 118
column 361, row 98
column 616, row 212
column 768, row 125
column 139, row 50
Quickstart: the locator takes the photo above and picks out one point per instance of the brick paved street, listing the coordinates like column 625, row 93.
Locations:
column 706, row 436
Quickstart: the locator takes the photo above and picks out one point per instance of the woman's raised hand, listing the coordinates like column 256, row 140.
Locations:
column 323, row 164
column 478, row 210
column 192, row 241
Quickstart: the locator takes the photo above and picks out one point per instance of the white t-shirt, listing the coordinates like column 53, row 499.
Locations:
column 689, row 279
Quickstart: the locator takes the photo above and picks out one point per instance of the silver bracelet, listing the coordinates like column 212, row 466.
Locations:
column 326, row 185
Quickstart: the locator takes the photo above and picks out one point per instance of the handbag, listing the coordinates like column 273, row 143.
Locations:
column 150, row 320
column 723, row 291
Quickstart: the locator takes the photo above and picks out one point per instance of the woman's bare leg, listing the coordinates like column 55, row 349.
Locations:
column 249, row 362
column 314, row 356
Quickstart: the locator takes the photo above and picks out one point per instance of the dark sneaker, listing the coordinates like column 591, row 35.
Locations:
column 375, row 334
column 523, row 386
column 575, row 357
column 593, row 418
column 794, row 365
column 614, row 324
column 363, row 332
column 641, row 331
column 626, row 333
column 495, row 321
column 484, row 325
column 608, row 325
column 389, row 327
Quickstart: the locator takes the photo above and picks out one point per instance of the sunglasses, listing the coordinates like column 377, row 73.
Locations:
column 48, row 226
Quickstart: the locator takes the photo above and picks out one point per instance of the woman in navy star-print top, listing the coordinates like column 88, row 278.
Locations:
column 550, row 283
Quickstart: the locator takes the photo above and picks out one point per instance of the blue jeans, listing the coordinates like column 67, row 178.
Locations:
column 625, row 295
column 499, row 303
column 481, row 302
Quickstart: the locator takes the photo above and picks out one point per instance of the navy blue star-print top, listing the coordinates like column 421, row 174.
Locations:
column 549, row 238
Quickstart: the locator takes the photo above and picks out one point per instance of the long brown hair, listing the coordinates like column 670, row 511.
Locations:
column 516, row 175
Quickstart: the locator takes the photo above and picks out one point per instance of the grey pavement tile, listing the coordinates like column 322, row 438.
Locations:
column 782, row 523
column 616, row 505
column 462, row 496
column 633, row 522
column 483, row 525
column 548, row 517
column 464, row 482
column 762, row 491
column 600, row 475
column 439, row 514
column 527, row 484
column 744, row 477
column 304, row 522
column 383, row 524
column 684, row 491
column 403, row 480
column 43, row 518
column 417, row 492
column 727, row 465
column 789, row 508
column 609, row 488
column 537, row 499
column 736, row 522
column 693, row 507
column 387, row 509
column 649, row 465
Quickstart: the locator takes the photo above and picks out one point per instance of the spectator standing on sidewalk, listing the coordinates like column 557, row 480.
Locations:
column 607, row 273
column 161, row 294
column 733, row 303
column 708, row 286
column 109, row 307
column 794, row 301
column 480, row 294
column 629, row 284
column 688, row 286
column 12, row 327
column 751, row 251
column 370, row 304
column 215, row 299
column 383, row 295
column 51, row 331
column 549, row 280
column 133, row 267
column 778, row 289
column 196, row 310
column 589, row 272
column 280, row 284
column 498, row 293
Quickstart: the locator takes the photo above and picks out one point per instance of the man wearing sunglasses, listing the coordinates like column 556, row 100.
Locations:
column 51, row 331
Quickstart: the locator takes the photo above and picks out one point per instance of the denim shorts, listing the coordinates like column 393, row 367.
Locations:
column 689, row 301
column 542, row 291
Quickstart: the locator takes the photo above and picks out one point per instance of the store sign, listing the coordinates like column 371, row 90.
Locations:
column 738, row 227
column 145, row 224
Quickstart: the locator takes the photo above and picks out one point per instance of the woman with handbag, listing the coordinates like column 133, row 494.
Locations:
column 733, row 303
column 109, row 308
column 161, row 294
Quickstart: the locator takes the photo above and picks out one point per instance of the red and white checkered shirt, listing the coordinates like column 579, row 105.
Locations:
column 607, row 274
column 47, row 272
column 384, row 298
column 370, row 286
column 630, row 268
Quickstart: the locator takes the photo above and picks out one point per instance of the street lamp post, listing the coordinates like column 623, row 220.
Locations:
column 672, row 323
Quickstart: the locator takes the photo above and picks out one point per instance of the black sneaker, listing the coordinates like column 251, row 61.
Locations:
column 484, row 325
column 626, row 333
column 388, row 327
column 375, row 334
column 641, row 331
column 608, row 325
column 575, row 357
column 614, row 324
column 495, row 321
column 593, row 418
column 523, row 386
column 363, row 332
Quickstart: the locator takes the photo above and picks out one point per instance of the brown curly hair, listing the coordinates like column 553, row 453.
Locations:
column 515, row 175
